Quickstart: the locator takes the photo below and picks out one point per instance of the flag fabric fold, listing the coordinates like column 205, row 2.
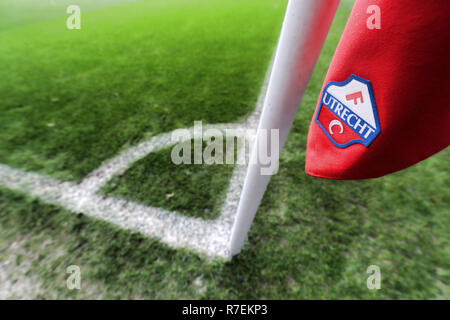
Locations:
column 385, row 101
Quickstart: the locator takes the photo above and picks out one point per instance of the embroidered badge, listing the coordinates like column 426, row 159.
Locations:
column 347, row 113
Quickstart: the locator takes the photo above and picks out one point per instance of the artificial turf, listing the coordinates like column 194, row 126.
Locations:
column 311, row 238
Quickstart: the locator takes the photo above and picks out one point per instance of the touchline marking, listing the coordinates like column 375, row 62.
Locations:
column 209, row 237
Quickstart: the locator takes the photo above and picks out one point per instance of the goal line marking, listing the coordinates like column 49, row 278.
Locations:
column 209, row 237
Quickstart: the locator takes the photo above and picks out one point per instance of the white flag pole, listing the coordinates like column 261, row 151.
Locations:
column 305, row 28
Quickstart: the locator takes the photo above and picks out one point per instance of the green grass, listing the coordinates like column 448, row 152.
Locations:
column 311, row 238
column 71, row 99
column 194, row 190
column 18, row 13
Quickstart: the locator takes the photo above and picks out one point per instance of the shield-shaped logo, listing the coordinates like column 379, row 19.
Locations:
column 347, row 113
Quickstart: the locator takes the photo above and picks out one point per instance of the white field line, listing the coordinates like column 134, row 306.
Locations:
column 209, row 237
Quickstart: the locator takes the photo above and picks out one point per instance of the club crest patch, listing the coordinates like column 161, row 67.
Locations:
column 347, row 112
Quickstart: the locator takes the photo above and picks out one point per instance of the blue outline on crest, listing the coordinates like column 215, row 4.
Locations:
column 374, row 109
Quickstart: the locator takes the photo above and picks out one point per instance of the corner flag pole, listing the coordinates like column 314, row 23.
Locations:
column 305, row 28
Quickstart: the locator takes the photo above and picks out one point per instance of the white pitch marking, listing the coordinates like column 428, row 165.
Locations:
column 209, row 237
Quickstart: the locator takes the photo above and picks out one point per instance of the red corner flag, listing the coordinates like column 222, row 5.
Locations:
column 385, row 103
